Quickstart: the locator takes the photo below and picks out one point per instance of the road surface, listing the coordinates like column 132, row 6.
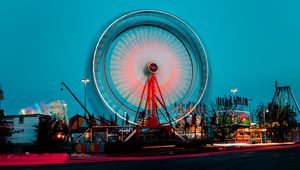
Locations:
column 284, row 158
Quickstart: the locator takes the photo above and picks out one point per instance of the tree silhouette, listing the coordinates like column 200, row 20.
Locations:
column 4, row 130
column 44, row 134
column 279, row 120
column 220, row 120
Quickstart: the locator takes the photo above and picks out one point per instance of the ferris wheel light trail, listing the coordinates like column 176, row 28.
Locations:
column 146, row 39
column 129, row 59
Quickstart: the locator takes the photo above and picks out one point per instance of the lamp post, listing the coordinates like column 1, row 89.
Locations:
column 85, row 81
column 233, row 91
column 234, row 106
column 267, row 111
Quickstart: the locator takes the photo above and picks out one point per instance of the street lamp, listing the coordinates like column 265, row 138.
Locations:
column 267, row 111
column 234, row 90
column 85, row 81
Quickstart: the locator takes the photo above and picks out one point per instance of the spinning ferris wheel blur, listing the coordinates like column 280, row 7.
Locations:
column 135, row 44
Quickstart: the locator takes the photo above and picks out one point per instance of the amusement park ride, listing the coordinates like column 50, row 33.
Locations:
column 149, row 117
column 283, row 96
column 144, row 63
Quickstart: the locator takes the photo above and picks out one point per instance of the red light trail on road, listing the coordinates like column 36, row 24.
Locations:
column 44, row 159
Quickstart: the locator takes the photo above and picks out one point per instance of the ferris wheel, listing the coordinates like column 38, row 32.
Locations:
column 149, row 62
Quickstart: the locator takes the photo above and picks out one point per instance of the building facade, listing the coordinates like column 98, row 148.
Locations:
column 24, row 128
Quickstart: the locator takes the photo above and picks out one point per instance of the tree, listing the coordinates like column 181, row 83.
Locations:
column 4, row 130
column 260, row 111
column 282, row 120
column 52, row 133
column 279, row 120
column 44, row 133
column 221, row 120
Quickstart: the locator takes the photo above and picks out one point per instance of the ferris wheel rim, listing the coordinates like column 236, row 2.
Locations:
column 198, row 40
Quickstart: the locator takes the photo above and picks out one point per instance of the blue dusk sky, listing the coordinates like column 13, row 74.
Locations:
column 249, row 44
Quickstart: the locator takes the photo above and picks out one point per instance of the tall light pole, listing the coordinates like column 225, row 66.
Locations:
column 267, row 111
column 234, row 90
column 85, row 81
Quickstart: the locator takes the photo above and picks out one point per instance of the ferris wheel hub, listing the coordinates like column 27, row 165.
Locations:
column 152, row 67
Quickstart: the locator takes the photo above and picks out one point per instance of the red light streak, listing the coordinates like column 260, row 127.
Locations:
column 43, row 159
column 18, row 127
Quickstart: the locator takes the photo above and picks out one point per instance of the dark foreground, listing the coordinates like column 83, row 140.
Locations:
column 284, row 158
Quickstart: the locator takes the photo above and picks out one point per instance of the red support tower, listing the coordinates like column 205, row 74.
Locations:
column 149, row 117
column 153, row 98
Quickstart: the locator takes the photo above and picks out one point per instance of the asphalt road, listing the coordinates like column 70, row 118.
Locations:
column 253, row 160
